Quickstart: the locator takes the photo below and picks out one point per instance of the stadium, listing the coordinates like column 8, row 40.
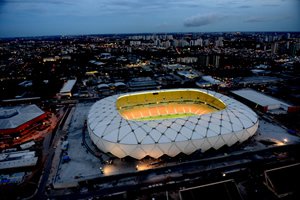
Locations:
column 168, row 122
column 14, row 120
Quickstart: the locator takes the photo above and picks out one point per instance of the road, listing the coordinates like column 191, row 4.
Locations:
column 49, row 147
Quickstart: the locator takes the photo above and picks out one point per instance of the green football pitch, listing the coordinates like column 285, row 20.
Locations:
column 168, row 116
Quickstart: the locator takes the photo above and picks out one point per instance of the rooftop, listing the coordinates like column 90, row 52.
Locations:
column 12, row 117
column 68, row 86
column 258, row 97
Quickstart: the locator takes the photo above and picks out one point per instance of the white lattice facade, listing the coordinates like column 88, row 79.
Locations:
column 111, row 132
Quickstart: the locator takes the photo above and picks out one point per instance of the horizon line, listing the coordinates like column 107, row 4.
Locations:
column 141, row 33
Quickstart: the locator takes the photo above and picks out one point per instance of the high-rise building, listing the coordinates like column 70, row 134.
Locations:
column 219, row 42
column 216, row 60
column 206, row 42
column 274, row 48
column 199, row 42
column 204, row 60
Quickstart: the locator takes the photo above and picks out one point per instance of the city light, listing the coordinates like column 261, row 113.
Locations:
column 145, row 112
column 101, row 170
column 143, row 166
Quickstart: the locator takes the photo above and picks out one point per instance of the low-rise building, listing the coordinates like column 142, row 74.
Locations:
column 264, row 102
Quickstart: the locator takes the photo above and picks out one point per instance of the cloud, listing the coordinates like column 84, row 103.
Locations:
column 270, row 5
column 244, row 6
column 255, row 19
column 2, row 3
column 163, row 25
column 159, row 4
column 34, row 6
column 55, row 2
column 201, row 20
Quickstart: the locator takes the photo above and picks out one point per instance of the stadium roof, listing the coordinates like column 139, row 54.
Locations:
column 112, row 133
column 13, row 117
column 68, row 86
column 258, row 97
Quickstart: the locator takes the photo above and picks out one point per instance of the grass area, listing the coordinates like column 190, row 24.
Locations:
column 160, row 117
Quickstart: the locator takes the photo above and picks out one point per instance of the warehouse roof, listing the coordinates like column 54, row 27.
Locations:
column 68, row 86
column 258, row 97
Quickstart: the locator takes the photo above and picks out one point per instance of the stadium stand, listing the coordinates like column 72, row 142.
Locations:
column 152, row 105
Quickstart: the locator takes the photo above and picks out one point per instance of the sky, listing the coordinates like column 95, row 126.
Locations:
column 20, row 18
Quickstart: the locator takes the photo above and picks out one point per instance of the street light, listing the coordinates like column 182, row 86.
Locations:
column 101, row 170
column 285, row 140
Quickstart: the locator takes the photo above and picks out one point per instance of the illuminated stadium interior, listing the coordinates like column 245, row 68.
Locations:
column 166, row 105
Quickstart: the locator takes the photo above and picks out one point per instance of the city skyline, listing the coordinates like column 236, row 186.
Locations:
column 52, row 17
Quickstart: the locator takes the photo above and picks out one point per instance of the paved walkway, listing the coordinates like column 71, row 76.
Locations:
column 58, row 151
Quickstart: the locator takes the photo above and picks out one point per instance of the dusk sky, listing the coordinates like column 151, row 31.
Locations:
column 64, row 17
